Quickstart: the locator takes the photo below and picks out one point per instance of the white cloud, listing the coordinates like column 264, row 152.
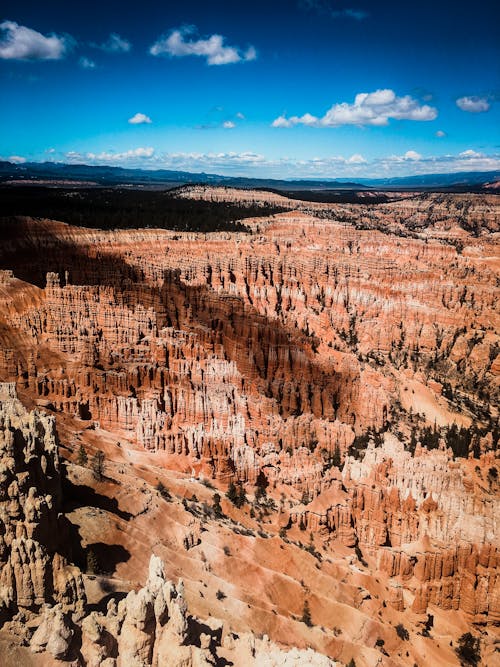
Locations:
column 16, row 159
column 212, row 48
column 257, row 165
column 134, row 156
column 250, row 53
column 473, row 104
column 139, row 118
column 470, row 154
column 356, row 159
column 281, row 121
column 440, row 134
column 231, row 161
column 86, row 63
column 114, row 44
column 21, row 43
column 240, row 116
column 228, row 124
column 374, row 109
column 412, row 155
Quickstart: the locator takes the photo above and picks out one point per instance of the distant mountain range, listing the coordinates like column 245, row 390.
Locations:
column 464, row 178
column 107, row 175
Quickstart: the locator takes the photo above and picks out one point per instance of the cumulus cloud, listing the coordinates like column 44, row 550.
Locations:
column 228, row 124
column 86, row 63
column 17, row 42
column 440, row 134
column 213, row 48
column 281, row 121
column 374, row 109
column 139, row 119
column 114, row 44
column 412, row 155
column 473, row 104
column 16, row 159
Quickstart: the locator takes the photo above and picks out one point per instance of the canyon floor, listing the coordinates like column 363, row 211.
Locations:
column 298, row 421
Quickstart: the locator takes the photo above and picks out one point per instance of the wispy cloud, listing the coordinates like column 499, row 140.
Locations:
column 17, row 42
column 357, row 14
column 414, row 163
column 114, row 44
column 440, row 134
column 324, row 7
column 86, row 63
column 16, row 159
column 149, row 158
column 473, row 104
column 469, row 154
column 216, row 125
column 139, row 119
column 135, row 156
column 356, row 159
column 213, row 48
column 375, row 108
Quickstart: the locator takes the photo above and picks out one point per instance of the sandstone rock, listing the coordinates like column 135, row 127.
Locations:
column 54, row 634
column 31, row 571
column 268, row 351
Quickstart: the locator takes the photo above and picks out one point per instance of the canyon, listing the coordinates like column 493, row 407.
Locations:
column 272, row 444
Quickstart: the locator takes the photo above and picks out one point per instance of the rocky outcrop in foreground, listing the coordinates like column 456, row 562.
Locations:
column 42, row 597
column 33, row 569
column 153, row 627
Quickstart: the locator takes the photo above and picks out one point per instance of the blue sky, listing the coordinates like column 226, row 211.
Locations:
column 310, row 88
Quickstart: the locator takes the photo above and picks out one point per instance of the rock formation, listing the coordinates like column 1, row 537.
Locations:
column 149, row 627
column 339, row 362
column 32, row 571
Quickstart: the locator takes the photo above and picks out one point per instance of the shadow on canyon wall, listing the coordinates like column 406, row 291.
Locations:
column 282, row 361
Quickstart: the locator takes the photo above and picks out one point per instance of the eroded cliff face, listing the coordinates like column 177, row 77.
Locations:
column 435, row 524
column 277, row 356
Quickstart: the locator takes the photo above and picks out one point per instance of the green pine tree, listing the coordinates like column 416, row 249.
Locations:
column 336, row 461
column 232, row 493
column 242, row 499
column 82, row 457
column 98, row 465
column 217, row 508
column 306, row 615
column 93, row 566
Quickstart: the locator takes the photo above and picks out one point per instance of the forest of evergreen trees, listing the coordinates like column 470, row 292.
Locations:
column 122, row 208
